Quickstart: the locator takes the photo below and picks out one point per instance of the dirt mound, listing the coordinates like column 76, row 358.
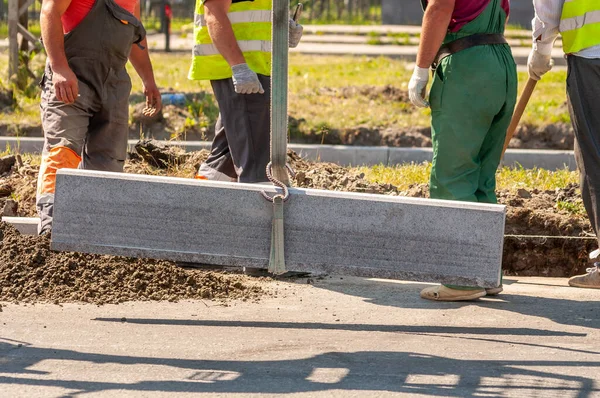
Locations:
column 557, row 252
column 30, row 272
column 551, row 136
column 332, row 177
column 383, row 93
column 161, row 155
column 419, row 137
column 17, row 189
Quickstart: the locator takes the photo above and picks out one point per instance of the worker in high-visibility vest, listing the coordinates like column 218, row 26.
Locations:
column 472, row 99
column 233, row 50
column 85, row 88
column 578, row 22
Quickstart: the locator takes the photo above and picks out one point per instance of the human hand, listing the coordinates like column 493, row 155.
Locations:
column 538, row 64
column 295, row 33
column 245, row 80
column 66, row 86
column 153, row 99
column 417, row 87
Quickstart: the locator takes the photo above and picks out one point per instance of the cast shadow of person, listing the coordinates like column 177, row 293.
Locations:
column 367, row 371
column 406, row 295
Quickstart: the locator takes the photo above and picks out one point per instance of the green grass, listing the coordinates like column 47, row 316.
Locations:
column 34, row 27
column 510, row 178
column 313, row 81
column 401, row 176
column 575, row 208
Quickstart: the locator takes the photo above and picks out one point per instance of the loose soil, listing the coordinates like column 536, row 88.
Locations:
column 29, row 271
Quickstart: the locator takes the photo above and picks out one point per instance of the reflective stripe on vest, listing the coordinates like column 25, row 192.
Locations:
column 245, row 46
column 251, row 24
column 580, row 25
column 239, row 17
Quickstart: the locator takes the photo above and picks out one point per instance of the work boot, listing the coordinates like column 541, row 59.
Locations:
column 590, row 280
column 493, row 291
column 444, row 293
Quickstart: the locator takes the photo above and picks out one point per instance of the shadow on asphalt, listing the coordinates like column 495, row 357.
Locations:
column 406, row 295
column 403, row 372
column 454, row 332
column 350, row 327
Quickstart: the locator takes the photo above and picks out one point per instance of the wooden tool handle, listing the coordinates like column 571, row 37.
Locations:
column 298, row 12
column 525, row 96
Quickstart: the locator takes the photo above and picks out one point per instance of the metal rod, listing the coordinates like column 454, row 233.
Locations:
column 279, row 89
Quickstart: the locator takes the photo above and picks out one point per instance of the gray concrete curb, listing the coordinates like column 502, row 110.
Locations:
column 25, row 225
column 355, row 155
column 443, row 241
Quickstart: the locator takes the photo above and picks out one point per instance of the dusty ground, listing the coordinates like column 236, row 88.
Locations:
column 195, row 120
column 339, row 337
column 31, row 272
column 529, row 213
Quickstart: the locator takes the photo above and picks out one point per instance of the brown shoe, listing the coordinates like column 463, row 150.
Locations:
column 590, row 280
column 494, row 291
column 443, row 293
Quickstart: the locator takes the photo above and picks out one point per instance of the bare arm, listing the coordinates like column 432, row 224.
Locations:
column 64, row 80
column 140, row 59
column 435, row 26
column 221, row 32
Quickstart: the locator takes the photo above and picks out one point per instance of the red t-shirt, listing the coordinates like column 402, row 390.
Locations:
column 467, row 10
column 78, row 9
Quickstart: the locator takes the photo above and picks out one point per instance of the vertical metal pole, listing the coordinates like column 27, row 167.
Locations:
column 13, row 44
column 166, row 26
column 279, row 89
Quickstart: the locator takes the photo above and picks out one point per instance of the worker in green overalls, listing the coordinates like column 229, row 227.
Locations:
column 472, row 100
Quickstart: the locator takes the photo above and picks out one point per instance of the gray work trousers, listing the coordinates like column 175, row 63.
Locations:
column 583, row 93
column 241, row 148
column 89, row 134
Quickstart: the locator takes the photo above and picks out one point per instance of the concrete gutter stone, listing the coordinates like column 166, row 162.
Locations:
column 22, row 144
column 344, row 154
column 549, row 159
column 348, row 155
column 25, row 225
column 409, row 155
column 230, row 224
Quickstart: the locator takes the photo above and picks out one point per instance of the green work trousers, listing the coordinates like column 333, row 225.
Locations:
column 472, row 100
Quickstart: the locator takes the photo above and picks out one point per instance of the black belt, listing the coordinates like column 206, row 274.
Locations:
column 466, row 42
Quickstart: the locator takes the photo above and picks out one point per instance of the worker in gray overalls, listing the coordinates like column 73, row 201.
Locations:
column 85, row 88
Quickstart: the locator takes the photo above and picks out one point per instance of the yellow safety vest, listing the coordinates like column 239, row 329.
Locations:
column 580, row 25
column 251, row 22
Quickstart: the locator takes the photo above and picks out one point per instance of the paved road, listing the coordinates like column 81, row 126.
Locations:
column 352, row 40
column 347, row 337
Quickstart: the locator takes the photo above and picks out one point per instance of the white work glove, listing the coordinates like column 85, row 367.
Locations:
column 295, row 33
column 417, row 87
column 538, row 64
column 245, row 81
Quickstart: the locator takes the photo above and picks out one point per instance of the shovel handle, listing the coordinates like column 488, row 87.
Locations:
column 298, row 12
column 519, row 110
